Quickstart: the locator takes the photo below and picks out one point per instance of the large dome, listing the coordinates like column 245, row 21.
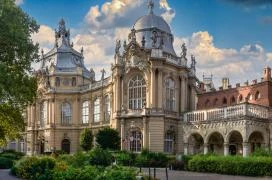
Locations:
column 151, row 21
column 154, row 31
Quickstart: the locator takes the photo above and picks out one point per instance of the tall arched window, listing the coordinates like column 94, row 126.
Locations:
column 135, row 141
column 169, row 142
column 97, row 110
column 240, row 98
column 170, row 94
column 250, row 97
column 43, row 113
column 137, row 92
column 257, row 95
column 85, row 112
column 107, row 108
column 225, row 101
column 66, row 113
column 232, row 100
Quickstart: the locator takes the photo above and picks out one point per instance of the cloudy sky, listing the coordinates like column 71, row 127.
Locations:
column 230, row 38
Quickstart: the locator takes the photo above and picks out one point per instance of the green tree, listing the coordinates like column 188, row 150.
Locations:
column 17, row 52
column 108, row 138
column 86, row 139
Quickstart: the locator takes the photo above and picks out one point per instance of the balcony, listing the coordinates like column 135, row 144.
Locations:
column 236, row 111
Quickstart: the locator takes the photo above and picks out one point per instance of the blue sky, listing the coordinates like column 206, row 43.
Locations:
column 232, row 24
column 221, row 33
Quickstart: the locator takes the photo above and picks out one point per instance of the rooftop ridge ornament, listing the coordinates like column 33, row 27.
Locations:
column 150, row 6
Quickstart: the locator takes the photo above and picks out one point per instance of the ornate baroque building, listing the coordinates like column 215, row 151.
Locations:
column 150, row 98
column 149, row 89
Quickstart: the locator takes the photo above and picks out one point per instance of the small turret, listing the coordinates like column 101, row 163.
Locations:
column 267, row 74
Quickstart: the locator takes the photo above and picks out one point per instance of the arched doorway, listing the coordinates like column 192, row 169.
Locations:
column 235, row 143
column 195, row 143
column 135, row 141
column 42, row 147
column 65, row 145
column 256, row 140
column 216, row 143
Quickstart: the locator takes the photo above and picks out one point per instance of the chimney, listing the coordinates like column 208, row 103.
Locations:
column 225, row 83
column 267, row 73
column 238, row 85
column 254, row 81
column 246, row 83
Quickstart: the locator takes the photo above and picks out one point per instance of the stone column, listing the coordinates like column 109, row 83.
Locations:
column 185, row 148
column 183, row 95
column 226, row 149
column 206, row 149
column 144, row 133
column 245, row 149
column 153, row 91
column 160, row 89
column 122, row 134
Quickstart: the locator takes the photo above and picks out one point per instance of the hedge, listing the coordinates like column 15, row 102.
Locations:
column 5, row 163
column 233, row 165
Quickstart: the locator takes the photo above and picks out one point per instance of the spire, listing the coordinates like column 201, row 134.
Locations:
column 62, row 27
column 150, row 6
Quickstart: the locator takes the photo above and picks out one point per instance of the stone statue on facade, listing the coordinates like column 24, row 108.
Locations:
column 143, row 41
column 117, row 47
column 154, row 38
column 183, row 51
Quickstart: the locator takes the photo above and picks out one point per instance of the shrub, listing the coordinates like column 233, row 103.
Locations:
column 34, row 168
column 125, row 158
column 108, row 138
column 5, row 163
column 79, row 159
column 235, row 165
column 118, row 173
column 100, row 157
column 86, row 139
column 151, row 159
column 262, row 152
column 11, row 154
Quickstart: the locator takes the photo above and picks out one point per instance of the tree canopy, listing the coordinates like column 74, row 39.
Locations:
column 108, row 138
column 17, row 53
column 86, row 139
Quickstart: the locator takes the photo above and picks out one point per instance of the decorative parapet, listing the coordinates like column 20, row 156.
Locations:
column 245, row 109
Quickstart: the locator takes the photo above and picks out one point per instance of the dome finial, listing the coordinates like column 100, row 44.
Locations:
column 150, row 6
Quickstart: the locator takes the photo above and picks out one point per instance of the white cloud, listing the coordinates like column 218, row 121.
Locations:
column 19, row 2
column 239, row 65
column 45, row 37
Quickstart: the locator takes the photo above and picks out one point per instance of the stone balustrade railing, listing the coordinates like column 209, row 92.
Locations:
column 239, row 110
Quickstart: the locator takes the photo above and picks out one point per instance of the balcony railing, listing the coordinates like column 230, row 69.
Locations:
column 245, row 109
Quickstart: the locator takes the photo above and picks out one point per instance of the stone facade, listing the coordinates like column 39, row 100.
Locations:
column 149, row 89
column 150, row 98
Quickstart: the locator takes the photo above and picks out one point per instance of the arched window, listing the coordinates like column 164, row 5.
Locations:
column 57, row 82
column 65, row 145
column 137, row 92
column 169, row 142
column 135, row 141
column 250, row 97
column 257, row 95
column 66, row 113
column 43, row 113
column 97, row 110
column 170, row 94
column 232, row 100
column 107, row 108
column 240, row 98
column 73, row 81
column 225, row 101
column 85, row 112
